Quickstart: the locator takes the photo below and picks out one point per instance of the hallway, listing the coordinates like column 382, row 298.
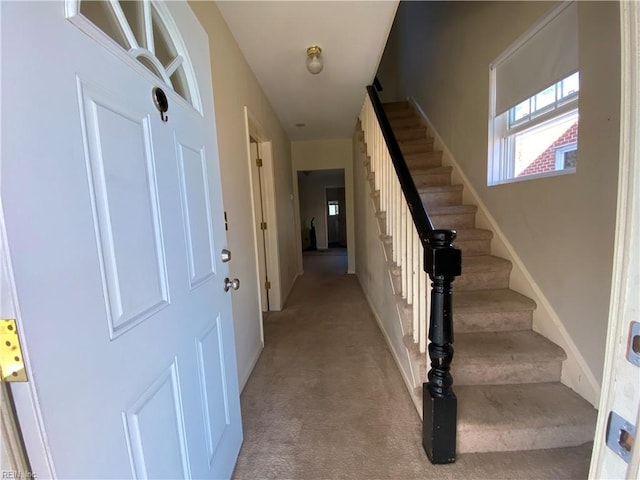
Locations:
column 326, row 399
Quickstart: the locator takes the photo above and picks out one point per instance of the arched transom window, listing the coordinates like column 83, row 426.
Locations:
column 145, row 30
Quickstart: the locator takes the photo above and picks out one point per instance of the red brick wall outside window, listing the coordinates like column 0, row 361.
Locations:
column 546, row 161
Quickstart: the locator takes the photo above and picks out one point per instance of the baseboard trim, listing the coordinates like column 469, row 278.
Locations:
column 252, row 365
column 575, row 372
column 289, row 290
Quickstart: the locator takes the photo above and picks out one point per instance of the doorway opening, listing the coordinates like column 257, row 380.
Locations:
column 323, row 221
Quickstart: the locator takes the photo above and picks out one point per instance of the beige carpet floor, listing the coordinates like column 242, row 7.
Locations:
column 326, row 400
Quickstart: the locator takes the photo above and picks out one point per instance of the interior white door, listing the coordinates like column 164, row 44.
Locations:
column 114, row 226
column 259, row 219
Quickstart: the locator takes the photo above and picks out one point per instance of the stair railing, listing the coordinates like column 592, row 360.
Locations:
column 418, row 249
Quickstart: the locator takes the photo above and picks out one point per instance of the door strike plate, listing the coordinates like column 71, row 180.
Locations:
column 633, row 346
column 620, row 436
column 11, row 362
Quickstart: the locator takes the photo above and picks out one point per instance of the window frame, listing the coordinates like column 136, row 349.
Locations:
column 501, row 135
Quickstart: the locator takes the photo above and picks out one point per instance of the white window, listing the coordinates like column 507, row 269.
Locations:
column 533, row 111
column 334, row 209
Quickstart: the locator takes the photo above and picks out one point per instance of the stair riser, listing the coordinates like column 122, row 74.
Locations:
column 478, row 440
column 393, row 115
column 440, row 199
column 453, row 221
column 404, row 122
column 398, row 105
column 474, row 247
column 491, row 321
column 416, row 146
column 482, row 280
column 432, row 179
column 424, row 160
column 410, row 134
column 493, row 373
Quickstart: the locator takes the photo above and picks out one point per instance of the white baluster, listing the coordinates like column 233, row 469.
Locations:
column 409, row 248
column 403, row 245
column 424, row 295
column 416, row 285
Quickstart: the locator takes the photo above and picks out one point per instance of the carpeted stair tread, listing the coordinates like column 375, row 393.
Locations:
column 441, row 188
column 525, row 345
column 406, row 121
column 522, row 417
column 483, row 263
column 410, row 133
column 466, row 234
column 492, row 301
column 483, row 272
column 421, row 146
column 424, row 158
column 419, row 171
column 431, row 176
column 395, row 106
column 441, row 195
column 452, row 209
column 506, row 358
column 399, row 113
column 473, row 241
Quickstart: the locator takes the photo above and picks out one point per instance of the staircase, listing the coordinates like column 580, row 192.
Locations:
column 506, row 376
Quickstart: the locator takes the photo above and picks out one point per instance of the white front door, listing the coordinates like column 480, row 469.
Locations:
column 115, row 227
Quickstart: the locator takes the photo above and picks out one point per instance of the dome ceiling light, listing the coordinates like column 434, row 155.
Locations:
column 314, row 62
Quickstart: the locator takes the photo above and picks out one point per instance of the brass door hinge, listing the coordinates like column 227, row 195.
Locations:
column 263, row 225
column 11, row 362
column 267, row 285
column 259, row 162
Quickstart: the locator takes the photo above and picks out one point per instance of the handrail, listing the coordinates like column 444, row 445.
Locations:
column 443, row 262
column 418, row 213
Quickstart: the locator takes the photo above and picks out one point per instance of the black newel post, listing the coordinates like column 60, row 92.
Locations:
column 440, row 406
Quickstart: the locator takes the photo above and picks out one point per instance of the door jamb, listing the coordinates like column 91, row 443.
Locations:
column 626, row 227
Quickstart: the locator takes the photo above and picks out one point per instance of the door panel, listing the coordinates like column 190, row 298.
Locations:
column 114, row 225
column 213, row 389
column 125, row 205
column 195, row 203
column 155, row 430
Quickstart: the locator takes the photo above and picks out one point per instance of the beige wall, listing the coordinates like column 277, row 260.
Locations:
column 234, row 87
column 321, row 155
column 560, row 227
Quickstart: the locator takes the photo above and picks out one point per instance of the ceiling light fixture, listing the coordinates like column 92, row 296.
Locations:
column 314, row 62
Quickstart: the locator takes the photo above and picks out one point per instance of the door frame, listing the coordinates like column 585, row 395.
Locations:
column 628, row 204
column 254, row 130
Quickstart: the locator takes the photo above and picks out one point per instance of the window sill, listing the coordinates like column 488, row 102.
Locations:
column 535, row 176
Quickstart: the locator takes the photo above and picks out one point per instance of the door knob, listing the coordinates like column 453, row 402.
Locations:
column 235, row 284
column 225, row 255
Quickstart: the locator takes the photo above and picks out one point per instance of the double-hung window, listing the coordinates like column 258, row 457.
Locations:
column 534, row 93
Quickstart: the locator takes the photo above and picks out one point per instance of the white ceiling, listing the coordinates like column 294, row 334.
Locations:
column 274, row 36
